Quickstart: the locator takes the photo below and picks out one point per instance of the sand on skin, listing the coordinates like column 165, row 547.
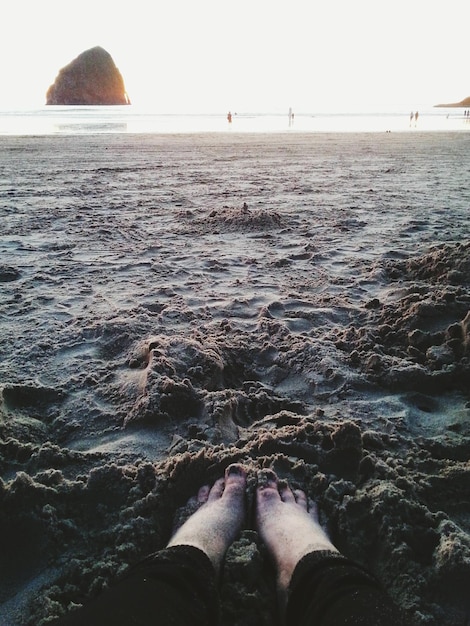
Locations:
column 154, row 330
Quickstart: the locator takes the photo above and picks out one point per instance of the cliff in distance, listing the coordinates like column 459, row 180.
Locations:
column 463, row 103
column 90, row 79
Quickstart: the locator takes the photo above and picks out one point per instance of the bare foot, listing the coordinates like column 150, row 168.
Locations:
column 287, row 528
column 215, row 525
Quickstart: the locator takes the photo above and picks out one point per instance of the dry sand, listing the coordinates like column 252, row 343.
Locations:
column 154, row 329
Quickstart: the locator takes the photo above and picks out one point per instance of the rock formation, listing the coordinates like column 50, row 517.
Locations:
column 463, row 103
column 92, row 78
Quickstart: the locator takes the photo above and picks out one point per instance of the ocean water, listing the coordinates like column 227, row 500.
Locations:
column 129, row 119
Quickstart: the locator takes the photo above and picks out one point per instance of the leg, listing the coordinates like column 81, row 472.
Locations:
column 216, row 524
column 316, row 584
column 178, row 584
column 287, row 528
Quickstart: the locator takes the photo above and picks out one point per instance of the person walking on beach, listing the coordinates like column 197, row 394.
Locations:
column 229, row 117
column 316, row 585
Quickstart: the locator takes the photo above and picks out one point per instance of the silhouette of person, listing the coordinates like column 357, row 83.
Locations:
column 229, row 117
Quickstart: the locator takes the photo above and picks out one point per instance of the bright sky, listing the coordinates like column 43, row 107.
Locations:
column 245, row 55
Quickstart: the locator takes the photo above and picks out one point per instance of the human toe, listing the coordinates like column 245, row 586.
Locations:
column 216, row 490
column 202, row 495
column 235, row 479
column 286, row 492
column 267, row 478
column 235, row 471
column 301, row 498
column 267, row 489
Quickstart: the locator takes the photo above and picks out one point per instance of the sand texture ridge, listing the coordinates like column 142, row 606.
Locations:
column 172, row 304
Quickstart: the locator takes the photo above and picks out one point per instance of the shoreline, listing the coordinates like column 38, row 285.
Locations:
column 107, row 120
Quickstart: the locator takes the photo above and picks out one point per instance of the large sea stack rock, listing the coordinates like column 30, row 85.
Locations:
column 92, row 78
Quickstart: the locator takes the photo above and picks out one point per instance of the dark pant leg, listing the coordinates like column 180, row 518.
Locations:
column 327, row 589
column 173, row 587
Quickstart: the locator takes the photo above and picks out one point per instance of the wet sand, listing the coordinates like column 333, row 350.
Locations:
column 171, row 304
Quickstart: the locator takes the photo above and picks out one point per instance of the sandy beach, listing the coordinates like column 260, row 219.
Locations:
column 172, row 304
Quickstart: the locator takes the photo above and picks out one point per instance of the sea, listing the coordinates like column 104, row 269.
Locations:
column 61, row 120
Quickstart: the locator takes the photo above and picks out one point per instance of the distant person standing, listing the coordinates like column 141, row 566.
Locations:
column 291, row 116
column 229, row 117
column 411, row 117
column 416, row 117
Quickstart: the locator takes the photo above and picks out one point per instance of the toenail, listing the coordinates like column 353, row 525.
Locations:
column 266, row 477
column 234, row 470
